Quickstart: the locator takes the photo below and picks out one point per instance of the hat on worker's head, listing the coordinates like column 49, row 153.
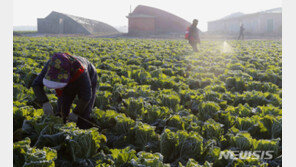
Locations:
column 58, row 72
column 195, row 20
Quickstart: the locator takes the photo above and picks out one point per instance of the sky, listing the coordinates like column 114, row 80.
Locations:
column 114, row 12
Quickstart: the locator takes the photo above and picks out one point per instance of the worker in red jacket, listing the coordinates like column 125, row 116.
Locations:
column 193, row 35
column 70, row 76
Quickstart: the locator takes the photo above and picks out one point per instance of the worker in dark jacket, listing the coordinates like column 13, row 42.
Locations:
column 69, row 76
column 241, row 32
column 193, row 36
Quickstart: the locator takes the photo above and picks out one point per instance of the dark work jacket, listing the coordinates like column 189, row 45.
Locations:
column 82, row 86
column 241, row 30
column 193, row 35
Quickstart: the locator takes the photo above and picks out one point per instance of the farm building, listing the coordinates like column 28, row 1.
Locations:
column 60, row 23
column 268, row 22
column 149, row 20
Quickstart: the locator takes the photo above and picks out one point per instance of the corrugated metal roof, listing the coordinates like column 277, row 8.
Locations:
column 240, row 15
column 93, row 26
column 165, row 22
column 233, row 15
column 275, row 10
column 131, row 15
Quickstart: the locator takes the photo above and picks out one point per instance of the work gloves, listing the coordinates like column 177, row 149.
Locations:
column 72, row 117
column 47, row 108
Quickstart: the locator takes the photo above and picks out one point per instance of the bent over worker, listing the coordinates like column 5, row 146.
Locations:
column 193, row 36
column 69, row 76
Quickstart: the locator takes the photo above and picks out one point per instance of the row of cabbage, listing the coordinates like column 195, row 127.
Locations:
column 157, row 103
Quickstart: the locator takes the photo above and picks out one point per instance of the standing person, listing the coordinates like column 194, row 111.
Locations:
column 241, row 32
column 193, row 35
column 69, row 76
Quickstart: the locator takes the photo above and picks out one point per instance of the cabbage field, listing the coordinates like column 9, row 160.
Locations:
column 158, row 104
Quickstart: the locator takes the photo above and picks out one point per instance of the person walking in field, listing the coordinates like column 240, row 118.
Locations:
column 70, row 76
column 241, row 32
column 193, row 35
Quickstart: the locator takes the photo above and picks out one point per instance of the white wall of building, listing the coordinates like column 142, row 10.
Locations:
column 261, row 24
